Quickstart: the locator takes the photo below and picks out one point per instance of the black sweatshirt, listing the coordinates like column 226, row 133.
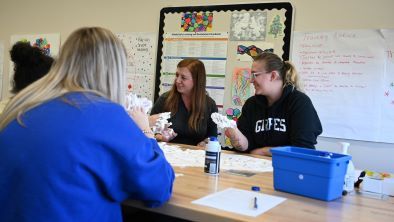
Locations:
column 290, row 121
column 180, row 121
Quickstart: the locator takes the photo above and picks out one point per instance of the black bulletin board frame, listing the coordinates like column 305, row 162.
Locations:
column 236, row 7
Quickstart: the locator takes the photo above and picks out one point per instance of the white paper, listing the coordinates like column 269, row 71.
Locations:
column 222, row 121
column 240, row 201
column 141, row 55
column 178, row 157
column 133, row 101
column 248, row 26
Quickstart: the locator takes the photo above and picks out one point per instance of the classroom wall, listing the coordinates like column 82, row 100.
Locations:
column 55, row 16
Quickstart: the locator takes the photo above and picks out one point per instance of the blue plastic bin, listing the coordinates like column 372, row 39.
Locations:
column 308, row 172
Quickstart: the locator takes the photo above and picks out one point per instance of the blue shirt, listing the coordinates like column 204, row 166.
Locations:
column 75, row 159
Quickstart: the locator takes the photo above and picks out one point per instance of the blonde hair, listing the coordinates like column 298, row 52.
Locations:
column 286, row 69
column 92, row 60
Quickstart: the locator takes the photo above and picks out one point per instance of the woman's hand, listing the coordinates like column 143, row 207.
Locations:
column 153, row 119
column 265, row 151
column 203, row 143
column 233, row 136
column 237, row 139
column 141, row 119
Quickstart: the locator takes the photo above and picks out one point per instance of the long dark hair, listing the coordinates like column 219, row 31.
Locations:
column 198, row 95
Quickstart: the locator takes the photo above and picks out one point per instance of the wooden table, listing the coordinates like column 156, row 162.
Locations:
column 195, row 184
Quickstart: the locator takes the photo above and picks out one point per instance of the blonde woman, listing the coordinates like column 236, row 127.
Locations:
column 279, row 114
column 69, row 151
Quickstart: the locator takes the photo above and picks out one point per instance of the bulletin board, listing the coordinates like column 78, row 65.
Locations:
column 224, row 38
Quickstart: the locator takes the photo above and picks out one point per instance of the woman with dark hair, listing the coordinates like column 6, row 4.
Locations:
column 189, row 104
column 30, row 64
column 279, row 114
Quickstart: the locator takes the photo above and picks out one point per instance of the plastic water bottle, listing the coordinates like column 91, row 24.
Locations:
column 350, row 173
column 212, row 156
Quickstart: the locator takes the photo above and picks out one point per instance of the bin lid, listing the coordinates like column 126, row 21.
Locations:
column 311, row 154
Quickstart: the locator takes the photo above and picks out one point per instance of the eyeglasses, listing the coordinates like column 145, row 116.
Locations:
column 255, row 74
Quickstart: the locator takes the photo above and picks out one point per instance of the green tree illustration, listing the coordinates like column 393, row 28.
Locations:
column 276, row 27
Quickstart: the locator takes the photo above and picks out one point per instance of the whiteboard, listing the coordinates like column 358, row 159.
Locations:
column 349, row 76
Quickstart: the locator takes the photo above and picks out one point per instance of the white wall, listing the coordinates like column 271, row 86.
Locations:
column 365, row 155
column 55, row 16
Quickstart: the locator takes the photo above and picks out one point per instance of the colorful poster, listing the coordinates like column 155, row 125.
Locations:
column 247, row 50
column 196, row 22
column 276, row 26
column 248, row 26
column 141, row 51
column 210, row 48
column 241, row 86
column 232, row 114
column 49, row 43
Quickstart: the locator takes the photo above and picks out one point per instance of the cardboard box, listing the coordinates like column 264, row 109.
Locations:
column 380, row 186
column 309, row 172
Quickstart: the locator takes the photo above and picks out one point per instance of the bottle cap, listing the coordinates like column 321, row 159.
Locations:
column 255, row 188
column 212, row 138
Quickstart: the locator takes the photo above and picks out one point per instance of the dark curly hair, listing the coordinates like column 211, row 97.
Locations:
column 30, row 64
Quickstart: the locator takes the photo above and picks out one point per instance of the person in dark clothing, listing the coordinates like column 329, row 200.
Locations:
column 279, row 114
column 189, row 104
column 30, row 64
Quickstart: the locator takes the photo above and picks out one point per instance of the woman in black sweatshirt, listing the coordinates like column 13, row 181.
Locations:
column 279, row 114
